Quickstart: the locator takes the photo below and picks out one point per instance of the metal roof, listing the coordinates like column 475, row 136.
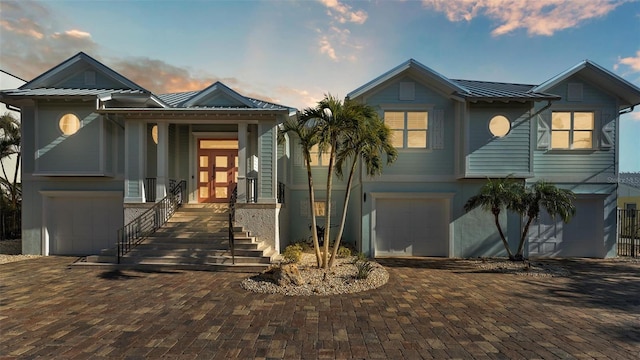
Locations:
column 177, row 100
column 55, row 92
column 486, row 90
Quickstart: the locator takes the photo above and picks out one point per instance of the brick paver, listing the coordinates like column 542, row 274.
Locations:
column 430, row 309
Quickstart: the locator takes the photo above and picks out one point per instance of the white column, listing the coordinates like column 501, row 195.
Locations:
column 162, row 168
column 134, row 141
column 242, row 163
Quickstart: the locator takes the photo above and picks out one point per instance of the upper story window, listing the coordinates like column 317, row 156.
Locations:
column 409, row 128
column 69, row 124
column 318, row 159
column 572, row 130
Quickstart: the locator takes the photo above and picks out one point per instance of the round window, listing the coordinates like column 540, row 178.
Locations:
column 499, row 126
column 69, row 124
column 154, row 134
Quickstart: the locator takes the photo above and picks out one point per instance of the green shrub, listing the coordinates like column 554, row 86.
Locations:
column 293, row 253
column 303, row 245
column 343, row 252
column 359, row 257
column 364, row 268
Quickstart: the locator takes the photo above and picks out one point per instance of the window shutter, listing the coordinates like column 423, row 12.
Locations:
column 544, row 132
column 607, row 137
column 437, row 129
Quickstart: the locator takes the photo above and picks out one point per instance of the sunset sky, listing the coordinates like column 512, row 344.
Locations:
column 293, row 52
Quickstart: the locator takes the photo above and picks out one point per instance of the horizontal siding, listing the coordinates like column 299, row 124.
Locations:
column 491, row 155
column 595, row 165
column 77, row 81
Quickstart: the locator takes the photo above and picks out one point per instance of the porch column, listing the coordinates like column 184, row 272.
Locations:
column 242, row 163
column 162, row 167
column 134, row 141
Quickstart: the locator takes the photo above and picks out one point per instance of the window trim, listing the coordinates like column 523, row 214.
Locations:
column 594, row 131
column 429, row 110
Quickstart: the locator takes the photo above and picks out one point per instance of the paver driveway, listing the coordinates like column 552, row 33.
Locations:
column 429, row 309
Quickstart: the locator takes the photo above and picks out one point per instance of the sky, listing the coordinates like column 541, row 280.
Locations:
column 293, row 52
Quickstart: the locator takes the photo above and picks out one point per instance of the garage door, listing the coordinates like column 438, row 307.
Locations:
column 583, row 236
column 411, row 227
column 82, row 225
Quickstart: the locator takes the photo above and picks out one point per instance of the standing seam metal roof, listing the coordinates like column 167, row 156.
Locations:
column 495, row 90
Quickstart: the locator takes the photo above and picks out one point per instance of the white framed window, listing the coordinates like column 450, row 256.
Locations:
column 409, row 129
column 572, row 129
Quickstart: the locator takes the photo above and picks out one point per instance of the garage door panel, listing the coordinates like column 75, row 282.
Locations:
column 82, row 225
column 583, row 236
column 411, row 227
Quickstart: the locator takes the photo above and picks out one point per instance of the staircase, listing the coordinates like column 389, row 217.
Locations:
column 196, row 237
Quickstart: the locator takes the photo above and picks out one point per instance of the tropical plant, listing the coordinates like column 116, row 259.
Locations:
column 10, row 140
column 363, row 269
column 500, row 194
column 556, row 202
column 292, row 253
column 494, row 196
column 308, row 135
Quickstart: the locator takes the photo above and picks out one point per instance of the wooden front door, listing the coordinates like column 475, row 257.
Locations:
column 217, row 174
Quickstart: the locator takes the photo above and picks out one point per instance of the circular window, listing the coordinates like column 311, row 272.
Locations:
column 69, row 124
column 499, row 126
column 154, row 134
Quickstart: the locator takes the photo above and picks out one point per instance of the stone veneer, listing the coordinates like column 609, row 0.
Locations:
column 261, row 220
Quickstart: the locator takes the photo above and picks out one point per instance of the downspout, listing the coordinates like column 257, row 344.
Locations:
column 627, row 111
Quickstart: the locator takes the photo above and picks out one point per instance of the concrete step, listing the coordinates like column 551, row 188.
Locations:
column 195, row 260
column 152, row 252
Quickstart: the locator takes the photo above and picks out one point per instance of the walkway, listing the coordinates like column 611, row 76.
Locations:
column 438, row 309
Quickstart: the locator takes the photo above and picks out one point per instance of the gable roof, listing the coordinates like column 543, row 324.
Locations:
column 410, row 65
column 621, row 88
column 52, row 77
column 467, row 89
column 236, row 101
column 218, row 89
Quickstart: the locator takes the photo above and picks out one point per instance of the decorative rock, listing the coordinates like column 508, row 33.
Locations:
column 283, row 275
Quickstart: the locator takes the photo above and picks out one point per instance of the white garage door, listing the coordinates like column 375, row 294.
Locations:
column 583, row 236
column 411, row 227
column 82, row 225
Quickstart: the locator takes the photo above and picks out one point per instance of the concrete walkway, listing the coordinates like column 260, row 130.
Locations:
column 440, row 309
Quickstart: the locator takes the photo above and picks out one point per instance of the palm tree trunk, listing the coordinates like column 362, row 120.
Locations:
column 519, row 253
column 336, row 244
column 312, row 199
column 502, row 237
column 327, row 231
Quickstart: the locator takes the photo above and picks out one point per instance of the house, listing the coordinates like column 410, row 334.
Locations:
column 452, row 134
column 99, row 150
column 629, row 191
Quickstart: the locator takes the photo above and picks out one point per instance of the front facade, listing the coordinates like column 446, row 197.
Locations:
column 99, row 150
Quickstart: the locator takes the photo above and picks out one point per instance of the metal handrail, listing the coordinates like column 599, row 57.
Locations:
column 145, row 224
column 232, row 218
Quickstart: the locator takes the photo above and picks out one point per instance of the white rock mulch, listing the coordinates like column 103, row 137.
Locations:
column 11, row 251
column 340, row 279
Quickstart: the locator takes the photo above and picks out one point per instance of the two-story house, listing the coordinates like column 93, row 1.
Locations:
column 99, row 149
column 453, row 134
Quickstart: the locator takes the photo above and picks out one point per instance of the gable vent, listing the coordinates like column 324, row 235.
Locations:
column 574, row 92
column 89, row 77
column 407, row 91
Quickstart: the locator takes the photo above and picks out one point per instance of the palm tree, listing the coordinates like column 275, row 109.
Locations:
column 494, row 196
column 10, row 145
column 308, row 135
column 331, row 119
column 557, row 202
column 367, row 137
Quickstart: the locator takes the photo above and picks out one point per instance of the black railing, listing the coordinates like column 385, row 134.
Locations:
column 252, row 190
column 232, row 218
column 628, row 232
column 150, row 189
column 132, row 234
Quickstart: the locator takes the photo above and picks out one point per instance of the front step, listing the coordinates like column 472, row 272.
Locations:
column 196, row 237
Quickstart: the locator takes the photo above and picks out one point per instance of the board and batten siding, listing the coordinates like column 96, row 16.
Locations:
column 490, row 155
column 438, row 159
column 89, row 79
column 593, row 165
column 266, row 144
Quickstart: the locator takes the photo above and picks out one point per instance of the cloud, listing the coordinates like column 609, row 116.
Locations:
column 538, row 17
column 632, row 62
column 635, row 116
column 342, row 13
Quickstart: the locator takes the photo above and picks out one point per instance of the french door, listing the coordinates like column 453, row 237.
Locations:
column 217, row 170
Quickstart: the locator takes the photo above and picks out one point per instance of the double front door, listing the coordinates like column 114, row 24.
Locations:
column 217, row 170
